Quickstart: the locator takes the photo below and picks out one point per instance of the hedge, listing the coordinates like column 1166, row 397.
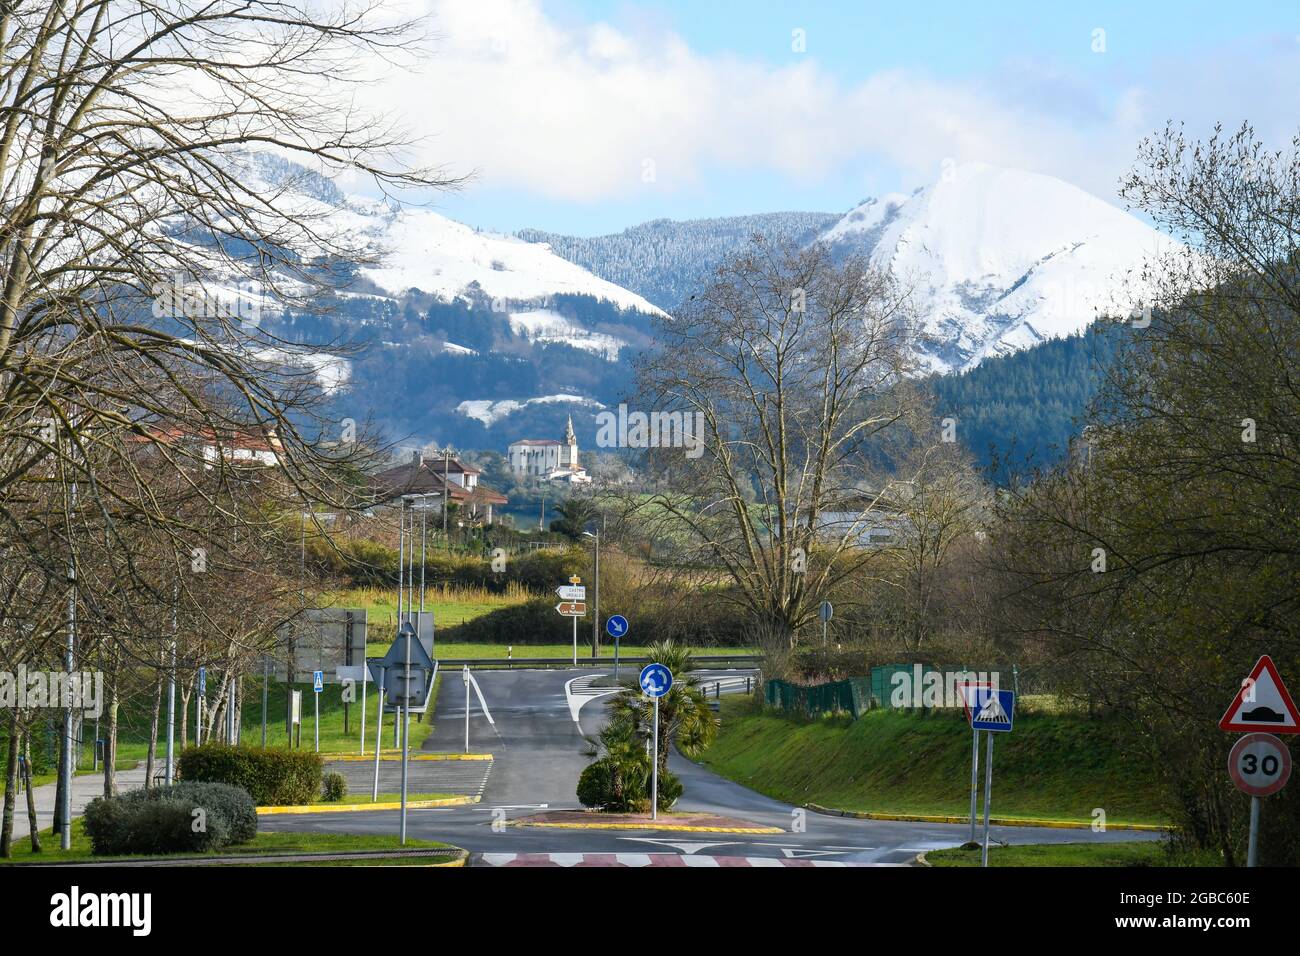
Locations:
column 697, row 623
column 273, row 776
column 183, row 818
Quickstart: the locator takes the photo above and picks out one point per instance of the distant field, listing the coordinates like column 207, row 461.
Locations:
column 450, row 606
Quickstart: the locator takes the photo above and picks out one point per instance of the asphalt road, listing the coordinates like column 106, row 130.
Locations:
column 540, row 749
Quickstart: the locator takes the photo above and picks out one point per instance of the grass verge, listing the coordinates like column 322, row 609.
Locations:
column 1058, row 767
column 1136, row 854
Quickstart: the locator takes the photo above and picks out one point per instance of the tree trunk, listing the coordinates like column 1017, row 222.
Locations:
column 58, row 786
column 110, row 745
column 33, row 829
column 152, row 756
column 11, row 788
column 185, row 716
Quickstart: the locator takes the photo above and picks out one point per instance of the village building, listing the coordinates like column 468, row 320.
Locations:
column 544, row 459
column 439, row 479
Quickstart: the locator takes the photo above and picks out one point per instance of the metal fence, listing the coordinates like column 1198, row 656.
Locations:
column 881, row 689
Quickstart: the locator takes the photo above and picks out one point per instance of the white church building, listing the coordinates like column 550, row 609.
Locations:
column 544, row 459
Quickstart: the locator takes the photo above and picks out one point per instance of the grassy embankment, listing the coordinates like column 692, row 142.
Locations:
column 1053, row 767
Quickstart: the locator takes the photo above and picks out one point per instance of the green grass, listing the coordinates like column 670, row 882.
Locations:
column 332, row 738
column 352, row 799
column 1144, row 853
column 1052, row 767
column 264, row 842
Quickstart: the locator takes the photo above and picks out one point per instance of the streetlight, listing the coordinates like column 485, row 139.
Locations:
column 595, row 623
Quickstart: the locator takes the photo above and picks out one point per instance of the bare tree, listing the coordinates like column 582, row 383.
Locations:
column 787, row 373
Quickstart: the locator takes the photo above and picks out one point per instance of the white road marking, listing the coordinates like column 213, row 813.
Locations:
column 575, row 701
column 685, row 846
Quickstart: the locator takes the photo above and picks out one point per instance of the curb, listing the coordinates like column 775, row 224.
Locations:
column 362, row 807
column 396, row 755
column 919, row 861
column 676, row 827
column 998, row 821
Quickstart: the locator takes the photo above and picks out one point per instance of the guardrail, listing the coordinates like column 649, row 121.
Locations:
column 701, row 661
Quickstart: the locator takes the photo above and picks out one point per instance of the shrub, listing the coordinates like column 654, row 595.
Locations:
column 272, row 776
column 596, row 784
column 184, row 818
column 623, row 786
column 334, row 788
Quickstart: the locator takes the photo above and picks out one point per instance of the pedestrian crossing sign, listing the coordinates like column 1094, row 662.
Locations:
column 988, row 708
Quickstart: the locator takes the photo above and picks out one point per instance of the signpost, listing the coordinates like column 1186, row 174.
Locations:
column 616, row 627
column 469, row 680
column 317, row 685
column 1260, row 763
column 993, row 711
column 655, row 680
column 571, row 606
column 824, row 612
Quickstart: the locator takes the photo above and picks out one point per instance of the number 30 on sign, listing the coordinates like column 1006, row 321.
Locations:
column 1260, row 764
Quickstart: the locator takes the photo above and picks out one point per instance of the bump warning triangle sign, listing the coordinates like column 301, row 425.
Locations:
column 1262, row 703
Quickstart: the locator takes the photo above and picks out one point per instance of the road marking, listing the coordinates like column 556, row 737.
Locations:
column 685, row 846
column 575, row 701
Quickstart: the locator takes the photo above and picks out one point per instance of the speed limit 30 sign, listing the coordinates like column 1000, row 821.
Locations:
column 1260, row 764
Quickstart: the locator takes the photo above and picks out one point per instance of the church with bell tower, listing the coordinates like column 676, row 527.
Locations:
column 548, row 460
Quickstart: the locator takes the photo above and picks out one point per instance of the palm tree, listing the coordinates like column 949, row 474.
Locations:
column 685, row 719
column 574, row 515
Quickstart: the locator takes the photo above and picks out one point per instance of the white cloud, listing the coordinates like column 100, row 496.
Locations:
column 577, row 111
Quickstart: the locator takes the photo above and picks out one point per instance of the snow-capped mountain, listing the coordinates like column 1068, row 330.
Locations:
column 1000, row 259
column 479, row 338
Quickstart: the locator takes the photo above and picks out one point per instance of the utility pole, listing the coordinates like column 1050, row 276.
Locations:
column 446, row 490
column 69, row 764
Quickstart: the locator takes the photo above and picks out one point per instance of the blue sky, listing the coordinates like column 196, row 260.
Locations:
column 587, row 116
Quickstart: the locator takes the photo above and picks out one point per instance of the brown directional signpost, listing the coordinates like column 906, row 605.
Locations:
column 1260, row 763
column 572, row 604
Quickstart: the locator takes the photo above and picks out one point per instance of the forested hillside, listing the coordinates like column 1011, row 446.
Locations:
column 665, row 260
column 1019, row 411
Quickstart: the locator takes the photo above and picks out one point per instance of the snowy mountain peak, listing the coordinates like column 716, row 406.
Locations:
column 1001, row 259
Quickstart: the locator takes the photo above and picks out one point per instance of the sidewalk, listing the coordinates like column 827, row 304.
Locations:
column 85, row 788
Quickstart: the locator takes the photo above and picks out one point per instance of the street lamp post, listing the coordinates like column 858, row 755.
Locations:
column 595, row 623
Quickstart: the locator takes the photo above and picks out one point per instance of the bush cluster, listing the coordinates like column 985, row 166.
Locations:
column 272, row 776
column 620, row 786
column 187, row 817
column 334, row 787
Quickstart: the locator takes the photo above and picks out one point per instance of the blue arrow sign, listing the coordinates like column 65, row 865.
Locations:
column 203, row 682
column 318, row 681
column 655, row 680
column 616, row 626
column 989, row 709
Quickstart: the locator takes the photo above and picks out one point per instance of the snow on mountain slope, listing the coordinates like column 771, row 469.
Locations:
column 423, row 250
column 489, row 411
column 1000, row 259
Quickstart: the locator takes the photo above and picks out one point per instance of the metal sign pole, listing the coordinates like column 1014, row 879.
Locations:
column 316, row 719
column 575, row 640
column 988, row 793
column 379, row 736
column 266, row 681
column 654, row 770
column 1252, row 848
column 974, row 780
column 406, row 728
